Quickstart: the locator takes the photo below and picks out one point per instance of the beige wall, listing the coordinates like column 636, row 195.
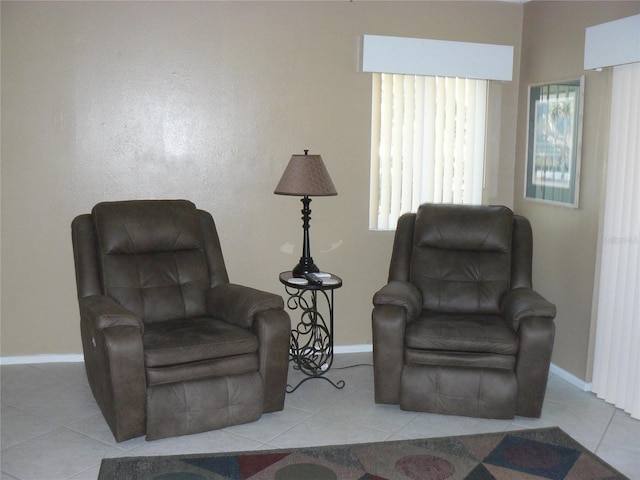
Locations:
column 206, row 101
column 565, row 239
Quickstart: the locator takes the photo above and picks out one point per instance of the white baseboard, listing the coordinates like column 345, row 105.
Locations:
column 49, row 358
column 572, row 379
column 353, row 348
column 59, row 358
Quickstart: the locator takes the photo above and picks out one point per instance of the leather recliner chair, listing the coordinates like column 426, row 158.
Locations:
column 170, row 346
column 458, row 328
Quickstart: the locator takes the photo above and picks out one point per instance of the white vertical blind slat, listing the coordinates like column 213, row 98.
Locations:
column 477, row 182
column 396, row 146
column 469, row 148
column 418, row 141
column 408, row 135
column 429, row 164
column 386, row 106
column 459, row 100
column 374, row 181
column 438, row 167
column 449, row 141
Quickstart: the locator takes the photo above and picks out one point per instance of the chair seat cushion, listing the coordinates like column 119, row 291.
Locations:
column 461, row 333
column 218, row 367
column 460, row 359
column 194, row 340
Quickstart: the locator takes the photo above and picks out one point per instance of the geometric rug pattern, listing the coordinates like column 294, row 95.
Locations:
column 534, row 454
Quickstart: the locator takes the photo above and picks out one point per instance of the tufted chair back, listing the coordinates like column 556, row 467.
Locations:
column 461, row 258
column 152, row 258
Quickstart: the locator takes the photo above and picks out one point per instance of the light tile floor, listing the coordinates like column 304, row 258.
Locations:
column 52, row 429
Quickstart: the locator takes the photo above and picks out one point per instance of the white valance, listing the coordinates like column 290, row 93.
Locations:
column 612, row 43
column 416, row 56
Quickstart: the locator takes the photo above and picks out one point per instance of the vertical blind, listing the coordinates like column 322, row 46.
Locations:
column 617, row 356
column 427, row 143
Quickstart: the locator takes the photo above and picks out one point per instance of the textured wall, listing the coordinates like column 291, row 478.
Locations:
column 205, row 101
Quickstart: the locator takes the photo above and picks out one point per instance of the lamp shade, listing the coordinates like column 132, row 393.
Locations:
column 306, row 175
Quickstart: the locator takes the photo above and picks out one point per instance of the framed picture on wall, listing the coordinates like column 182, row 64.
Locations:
column 554, row 142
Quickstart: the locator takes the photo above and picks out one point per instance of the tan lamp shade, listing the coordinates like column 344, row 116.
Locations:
column 306, row 175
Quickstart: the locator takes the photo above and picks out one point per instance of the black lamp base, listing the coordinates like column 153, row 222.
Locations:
column 306, row 265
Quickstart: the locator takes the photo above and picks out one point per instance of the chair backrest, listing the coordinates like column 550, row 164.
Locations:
column 152, row 258
column 461, row 257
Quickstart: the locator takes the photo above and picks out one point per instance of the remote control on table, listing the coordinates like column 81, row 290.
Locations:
column 313, row 278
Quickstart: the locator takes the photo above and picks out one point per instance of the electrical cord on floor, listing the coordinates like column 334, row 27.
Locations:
column 352, row 366
column 296, row 367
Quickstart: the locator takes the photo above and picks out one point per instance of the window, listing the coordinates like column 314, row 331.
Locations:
column 427, row 143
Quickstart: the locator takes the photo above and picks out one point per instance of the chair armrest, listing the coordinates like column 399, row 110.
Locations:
column 401, row 294
column 239, row 304
column 536, row 336
column 521, row 303
column 395, row 305
column 273, row 329
column 104, row 313
column 531, row 315
column 389, row 323
column 114, row 362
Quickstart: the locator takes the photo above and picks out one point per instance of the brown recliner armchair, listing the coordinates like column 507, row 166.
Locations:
column 170, row 346
column 458, row 329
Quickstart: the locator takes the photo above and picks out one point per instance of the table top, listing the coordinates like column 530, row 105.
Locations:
column 329, row 281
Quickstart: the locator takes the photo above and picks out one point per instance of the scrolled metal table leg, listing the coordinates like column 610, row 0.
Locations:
column 311, row 348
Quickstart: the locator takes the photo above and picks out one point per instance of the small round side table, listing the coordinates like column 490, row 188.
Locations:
column 311, row 348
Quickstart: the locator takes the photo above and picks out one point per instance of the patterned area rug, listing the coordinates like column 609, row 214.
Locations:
column 547, row 453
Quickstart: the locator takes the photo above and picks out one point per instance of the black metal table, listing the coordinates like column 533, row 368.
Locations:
column 311, row 348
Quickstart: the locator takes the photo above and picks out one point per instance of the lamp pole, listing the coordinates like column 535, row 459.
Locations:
column 306, row 264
